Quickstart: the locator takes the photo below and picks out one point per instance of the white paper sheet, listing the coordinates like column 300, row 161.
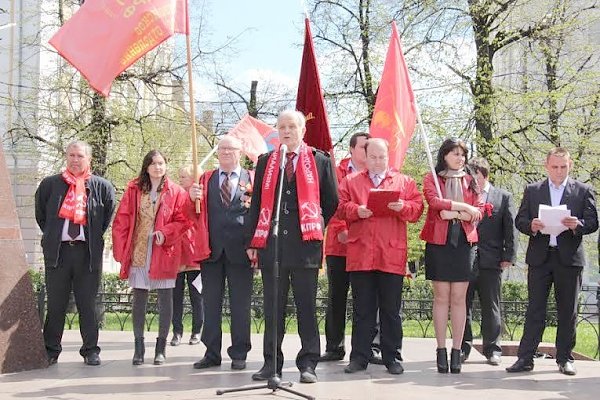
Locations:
column 551, row 217
column 198, row 283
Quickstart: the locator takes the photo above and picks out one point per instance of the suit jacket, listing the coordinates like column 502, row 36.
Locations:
column 225, row 225
column 293, row 251
column 580, row 199
column 497, row 232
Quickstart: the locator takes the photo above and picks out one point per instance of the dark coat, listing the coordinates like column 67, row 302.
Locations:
column 100, row 206
column 497, row 232
column 293, row 251
column 580, row 199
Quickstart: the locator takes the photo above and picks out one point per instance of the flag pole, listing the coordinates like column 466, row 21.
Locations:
column 192, row 106
column 427, row 150
column 208, row 156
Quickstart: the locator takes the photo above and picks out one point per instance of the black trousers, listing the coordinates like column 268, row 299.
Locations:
column 372, row 290
column 304, row 285
column 73, row 273
column 488, row 285
column 239, row 283
column 567, row 284
column 338, row 281
column 195, row 299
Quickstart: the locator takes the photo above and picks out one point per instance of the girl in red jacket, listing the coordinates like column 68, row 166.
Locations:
column 146, row 236
column 451, row 235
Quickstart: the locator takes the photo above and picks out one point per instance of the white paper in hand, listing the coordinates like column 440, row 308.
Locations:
column 551, row 217
column 198, row 283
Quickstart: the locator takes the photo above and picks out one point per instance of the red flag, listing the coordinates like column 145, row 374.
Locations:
column 310, row 98
column 394, row 116
column 252, row 132
column 103, row 38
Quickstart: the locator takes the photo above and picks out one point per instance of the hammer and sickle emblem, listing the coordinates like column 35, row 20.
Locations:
column 310, row 210
column 265, row 216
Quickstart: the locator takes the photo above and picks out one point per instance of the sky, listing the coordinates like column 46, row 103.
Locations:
column 272, row 34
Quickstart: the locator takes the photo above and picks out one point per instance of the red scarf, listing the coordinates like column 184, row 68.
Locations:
column 74, row 207
column 307, row 183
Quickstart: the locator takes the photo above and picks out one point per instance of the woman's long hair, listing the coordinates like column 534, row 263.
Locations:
column 144, row 182
column 447, row 146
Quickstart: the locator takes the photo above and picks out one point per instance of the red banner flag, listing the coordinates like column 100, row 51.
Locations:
column 310, row 98
column 103, row 38
column 253, row 133
column 394, row 116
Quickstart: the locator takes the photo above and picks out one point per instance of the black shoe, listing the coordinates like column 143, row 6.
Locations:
column 442, row 360
column 353, row 367
column 92, row 359
column 176, row 339
column 207, row 363
column 567, row 368
column 455, row 361
column 332, row 356
column 160, row 351
column 521, row 365
column 238, row 364
column 194, row 339
column 395, row 368
column 308, row 375
column 139, row 351
column 52, row 360
column 264, row 374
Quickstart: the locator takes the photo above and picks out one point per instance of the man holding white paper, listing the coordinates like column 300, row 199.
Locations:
column 554, row 259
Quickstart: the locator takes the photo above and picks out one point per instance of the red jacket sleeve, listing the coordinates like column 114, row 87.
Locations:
column 347, row 209
column 121, row 225
column 413, row 202
column 431, row 195
column 179, row 223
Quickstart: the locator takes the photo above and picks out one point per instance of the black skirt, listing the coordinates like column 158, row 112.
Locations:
column 447, row 263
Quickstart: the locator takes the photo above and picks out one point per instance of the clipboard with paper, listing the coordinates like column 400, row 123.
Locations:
column 379, row 199
column 551, row 217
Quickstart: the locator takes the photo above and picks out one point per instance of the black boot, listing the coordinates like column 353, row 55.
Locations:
column 442, row 360
column 455, row 361
column 159, row 352
column 140, row 349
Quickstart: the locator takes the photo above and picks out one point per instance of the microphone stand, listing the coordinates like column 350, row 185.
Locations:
column 274, row 383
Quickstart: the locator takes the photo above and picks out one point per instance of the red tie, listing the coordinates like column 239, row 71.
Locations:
column 289, row 166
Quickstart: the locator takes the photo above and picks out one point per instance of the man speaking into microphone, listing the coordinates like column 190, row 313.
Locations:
column 308, row 201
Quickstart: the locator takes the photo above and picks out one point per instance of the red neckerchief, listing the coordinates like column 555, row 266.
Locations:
column 307, row 183
column 74, row 207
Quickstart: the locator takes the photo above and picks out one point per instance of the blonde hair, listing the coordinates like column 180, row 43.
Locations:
column 189, row 170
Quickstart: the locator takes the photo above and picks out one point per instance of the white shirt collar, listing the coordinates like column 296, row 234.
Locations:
column 561, row 186
column 486, row 187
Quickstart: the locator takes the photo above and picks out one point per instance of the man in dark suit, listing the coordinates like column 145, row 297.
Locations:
column 552, row 259
column 223, row 189
column 496, row 251
column 309, row 200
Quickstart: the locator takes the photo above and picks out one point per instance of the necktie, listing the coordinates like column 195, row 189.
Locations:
column 376, row 180
column 73, row 229
column 226, row 190
column 289, row 166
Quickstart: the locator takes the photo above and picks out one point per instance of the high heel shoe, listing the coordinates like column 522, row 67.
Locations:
column 455, row 361
column 442, row 360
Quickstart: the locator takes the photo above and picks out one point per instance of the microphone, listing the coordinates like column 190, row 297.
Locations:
column 284, row 149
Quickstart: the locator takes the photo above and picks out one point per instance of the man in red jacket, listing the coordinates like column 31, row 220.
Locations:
column 377, row 253
column 335, row 255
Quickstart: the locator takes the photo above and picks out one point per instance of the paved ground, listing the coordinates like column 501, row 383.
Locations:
column 116, row 378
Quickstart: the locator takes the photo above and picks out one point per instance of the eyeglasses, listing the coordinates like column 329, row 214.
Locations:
column 223, row 149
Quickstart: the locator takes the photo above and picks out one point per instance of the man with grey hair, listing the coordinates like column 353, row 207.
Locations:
column 222, row 191
column 73, row 209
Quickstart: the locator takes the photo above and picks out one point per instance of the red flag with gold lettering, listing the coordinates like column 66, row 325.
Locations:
column 394, row 115
column 310, row 98
column 103, row 38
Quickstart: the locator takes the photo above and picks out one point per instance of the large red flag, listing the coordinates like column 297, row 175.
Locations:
column 253, row 134
column 394, row 116
column 310, row 98
column 103, row 38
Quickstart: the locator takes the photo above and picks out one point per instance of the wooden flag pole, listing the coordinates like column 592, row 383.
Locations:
column 192, row 108
column 428, row 151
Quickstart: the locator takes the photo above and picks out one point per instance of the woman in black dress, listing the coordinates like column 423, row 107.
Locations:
column 451, row 235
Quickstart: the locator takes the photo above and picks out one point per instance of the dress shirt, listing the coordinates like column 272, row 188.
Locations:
column 556, row 193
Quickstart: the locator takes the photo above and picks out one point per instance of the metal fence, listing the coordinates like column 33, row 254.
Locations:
column 118, row 305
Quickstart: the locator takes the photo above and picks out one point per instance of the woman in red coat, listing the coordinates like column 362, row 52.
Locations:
column 146, row 236
column 451, row 235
